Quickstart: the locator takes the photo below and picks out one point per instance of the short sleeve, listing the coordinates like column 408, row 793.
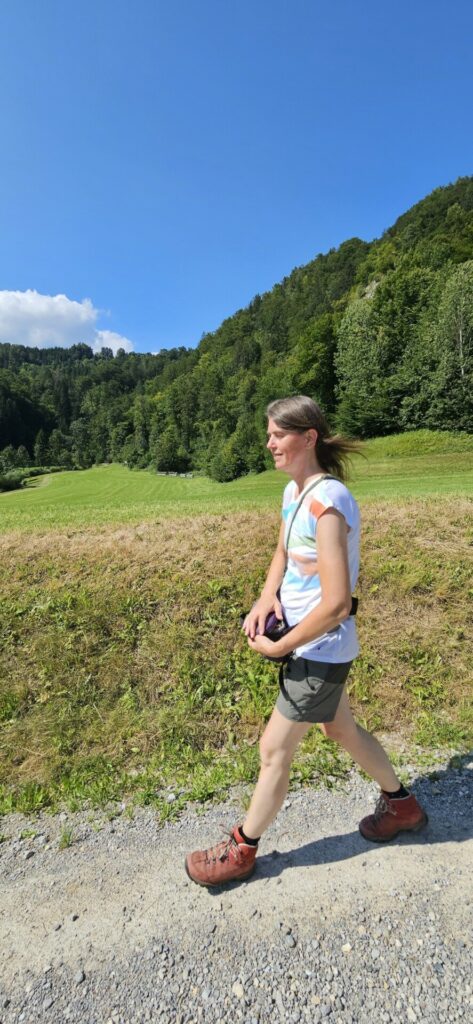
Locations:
column 334, row 494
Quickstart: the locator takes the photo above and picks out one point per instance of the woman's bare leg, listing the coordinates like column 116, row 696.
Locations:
column 362, row 746
column 278, row 745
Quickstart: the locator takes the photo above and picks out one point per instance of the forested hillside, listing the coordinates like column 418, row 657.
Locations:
column 380, row 333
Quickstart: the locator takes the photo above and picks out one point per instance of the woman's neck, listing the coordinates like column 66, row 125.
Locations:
column 306, row 474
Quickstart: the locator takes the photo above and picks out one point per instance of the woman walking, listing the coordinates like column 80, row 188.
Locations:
column 311, row 579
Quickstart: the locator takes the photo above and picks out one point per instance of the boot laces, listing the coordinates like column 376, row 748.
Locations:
column 222, row 850
column 383, row 806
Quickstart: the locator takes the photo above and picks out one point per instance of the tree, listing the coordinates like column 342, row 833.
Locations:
column 225, row 465
column 170, row 456
column 8, row 459
column 314, row 372
column 439, row 367
column 41, row 451
column 23, row 457
column 456, row 322
column 81, row 449
column 141, row 419
column 60, row 449
column 118, row 436
column 453, row 376
column 364, row 405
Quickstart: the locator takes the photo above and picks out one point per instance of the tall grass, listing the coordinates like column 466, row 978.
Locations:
column 123, row 668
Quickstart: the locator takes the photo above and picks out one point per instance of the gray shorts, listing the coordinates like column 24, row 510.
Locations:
column 311, row 690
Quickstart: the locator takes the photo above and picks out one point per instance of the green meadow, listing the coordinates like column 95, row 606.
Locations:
column 123, row 671
column 407, row 465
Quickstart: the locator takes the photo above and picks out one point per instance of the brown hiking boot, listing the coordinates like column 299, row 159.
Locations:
column 228, row 861
column 391, row 817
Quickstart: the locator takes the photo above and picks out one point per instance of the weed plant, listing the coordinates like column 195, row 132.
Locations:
column 66, row 838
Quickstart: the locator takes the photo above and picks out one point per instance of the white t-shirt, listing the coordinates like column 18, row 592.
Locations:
column 301, row 591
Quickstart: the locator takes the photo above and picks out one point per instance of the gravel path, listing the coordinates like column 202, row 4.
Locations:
column 110, row 930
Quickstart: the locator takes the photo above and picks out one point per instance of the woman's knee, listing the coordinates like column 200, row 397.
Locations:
column 272, row 756
column 339, row 732
column 330, row 730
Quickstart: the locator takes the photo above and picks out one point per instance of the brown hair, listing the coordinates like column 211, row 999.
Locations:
column 300, row 413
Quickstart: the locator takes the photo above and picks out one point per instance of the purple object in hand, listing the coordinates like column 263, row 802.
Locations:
column 274, row 629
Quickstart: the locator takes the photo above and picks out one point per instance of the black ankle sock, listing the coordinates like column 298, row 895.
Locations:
column 251, row 842
column 399, row 794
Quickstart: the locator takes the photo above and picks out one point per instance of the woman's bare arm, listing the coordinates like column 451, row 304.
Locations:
column 335, row 604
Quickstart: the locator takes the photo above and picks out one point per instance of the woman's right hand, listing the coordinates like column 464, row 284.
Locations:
column 256, row 618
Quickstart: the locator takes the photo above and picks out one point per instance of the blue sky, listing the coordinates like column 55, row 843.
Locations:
column 167, row 161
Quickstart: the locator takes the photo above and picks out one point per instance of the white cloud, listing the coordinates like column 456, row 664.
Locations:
column 52, row 321
column 108, row 339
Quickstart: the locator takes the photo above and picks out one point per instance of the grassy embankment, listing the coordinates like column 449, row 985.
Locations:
column 123, row 670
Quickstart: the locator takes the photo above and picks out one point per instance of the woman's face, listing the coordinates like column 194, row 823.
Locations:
column 290, row 449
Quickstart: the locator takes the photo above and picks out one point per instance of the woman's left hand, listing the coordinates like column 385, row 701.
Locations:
column 262, row 645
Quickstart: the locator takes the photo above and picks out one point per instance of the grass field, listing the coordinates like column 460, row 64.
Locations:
column 123, row 669
column 406, row 465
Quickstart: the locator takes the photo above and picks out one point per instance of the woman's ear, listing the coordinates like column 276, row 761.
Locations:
column 311, row 438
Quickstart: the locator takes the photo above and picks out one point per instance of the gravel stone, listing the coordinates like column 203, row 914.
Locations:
column 153, row 947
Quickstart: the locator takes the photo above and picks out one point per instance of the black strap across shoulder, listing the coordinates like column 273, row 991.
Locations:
column 305, row 491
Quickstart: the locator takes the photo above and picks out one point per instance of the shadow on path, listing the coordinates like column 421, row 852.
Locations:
column 450, row 821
